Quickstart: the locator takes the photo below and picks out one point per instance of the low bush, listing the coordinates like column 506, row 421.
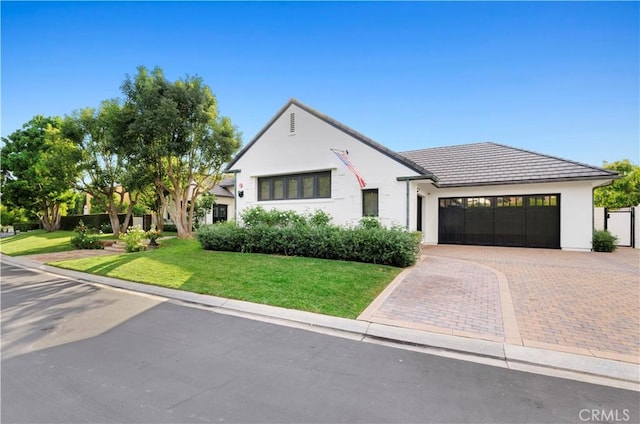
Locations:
column 221, row 236
column 604, row 241
column 134, row 239
column 286, row 234
column 85, row 238
column 370, row 222
column 319, row 218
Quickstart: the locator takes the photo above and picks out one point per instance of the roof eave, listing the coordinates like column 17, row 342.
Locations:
column 604, row 179
column 431, row 177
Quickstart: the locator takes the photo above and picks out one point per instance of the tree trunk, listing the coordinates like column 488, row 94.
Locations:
column 178, row 214
column 115, row 222
column 51, row 217
column 179, row 217
column 113, row 213
column 127, row 217
column 159, row 219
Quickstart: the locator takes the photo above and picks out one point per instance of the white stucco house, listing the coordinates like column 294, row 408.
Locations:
column 483, row 193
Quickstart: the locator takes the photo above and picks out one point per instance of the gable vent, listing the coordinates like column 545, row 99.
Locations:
column 292, row 123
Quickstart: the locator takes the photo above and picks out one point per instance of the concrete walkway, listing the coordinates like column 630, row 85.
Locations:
column 467, row 303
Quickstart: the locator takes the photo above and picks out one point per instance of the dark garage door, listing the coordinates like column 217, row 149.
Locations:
column 526, row 221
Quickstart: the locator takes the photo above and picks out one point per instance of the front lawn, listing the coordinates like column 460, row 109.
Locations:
column 36, row 242
column 328, row 287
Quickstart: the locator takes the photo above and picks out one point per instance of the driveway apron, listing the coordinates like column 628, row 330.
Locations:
column 578, row 302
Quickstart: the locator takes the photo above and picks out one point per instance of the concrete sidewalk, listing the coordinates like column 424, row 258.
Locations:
column 460, row 346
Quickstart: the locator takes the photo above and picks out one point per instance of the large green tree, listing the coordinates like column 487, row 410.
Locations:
column 39, row 166
column 175, row 129
column 109, row 175
column 624, row 191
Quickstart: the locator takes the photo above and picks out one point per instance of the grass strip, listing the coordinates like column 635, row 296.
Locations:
column 36, row 242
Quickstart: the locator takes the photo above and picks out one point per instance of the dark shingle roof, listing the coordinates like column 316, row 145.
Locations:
column 220, row 191
column 491, row 163
column 227, row 182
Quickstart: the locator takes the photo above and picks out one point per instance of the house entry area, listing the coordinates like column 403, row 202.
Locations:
column 219, row 213
column 523, row 221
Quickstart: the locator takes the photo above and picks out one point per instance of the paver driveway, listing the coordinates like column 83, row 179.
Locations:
column 579, row 302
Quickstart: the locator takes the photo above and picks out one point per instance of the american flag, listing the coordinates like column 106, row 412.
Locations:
column 342, row 155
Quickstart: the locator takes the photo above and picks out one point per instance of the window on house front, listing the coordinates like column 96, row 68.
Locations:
column 543, row 200
column 316, row 185
column 370, row 202
column 478, row 202
column 219, row 213
column 509, row 201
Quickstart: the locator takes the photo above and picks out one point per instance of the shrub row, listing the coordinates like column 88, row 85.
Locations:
column 373, row 245
column 279, row 218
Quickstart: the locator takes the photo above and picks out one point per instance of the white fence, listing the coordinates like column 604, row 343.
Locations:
column 619, row 222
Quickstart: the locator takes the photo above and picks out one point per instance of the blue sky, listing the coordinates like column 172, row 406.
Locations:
column 557, row 78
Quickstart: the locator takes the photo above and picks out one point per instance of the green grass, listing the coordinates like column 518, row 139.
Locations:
column 328, row 287
column 39, row 242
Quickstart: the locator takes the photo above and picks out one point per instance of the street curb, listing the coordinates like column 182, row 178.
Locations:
column 606, row 371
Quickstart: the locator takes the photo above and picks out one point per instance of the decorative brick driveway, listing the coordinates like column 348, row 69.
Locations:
column 579, row 302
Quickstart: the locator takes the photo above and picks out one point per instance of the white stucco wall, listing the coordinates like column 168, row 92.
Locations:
column 576, row 208
column 279, row 152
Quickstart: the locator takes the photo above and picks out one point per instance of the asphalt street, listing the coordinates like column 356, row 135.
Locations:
column 74, row 352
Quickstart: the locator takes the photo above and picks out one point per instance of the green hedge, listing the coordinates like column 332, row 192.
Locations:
column 373, row 245
column 95, row 221
column 27, row 226
column 169, row 228
column 98, row 221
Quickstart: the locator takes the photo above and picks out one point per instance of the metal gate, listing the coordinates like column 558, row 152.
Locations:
column 620, row 223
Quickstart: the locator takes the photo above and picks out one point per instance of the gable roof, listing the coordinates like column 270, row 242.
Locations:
column 491, row 163
column 349, row 131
